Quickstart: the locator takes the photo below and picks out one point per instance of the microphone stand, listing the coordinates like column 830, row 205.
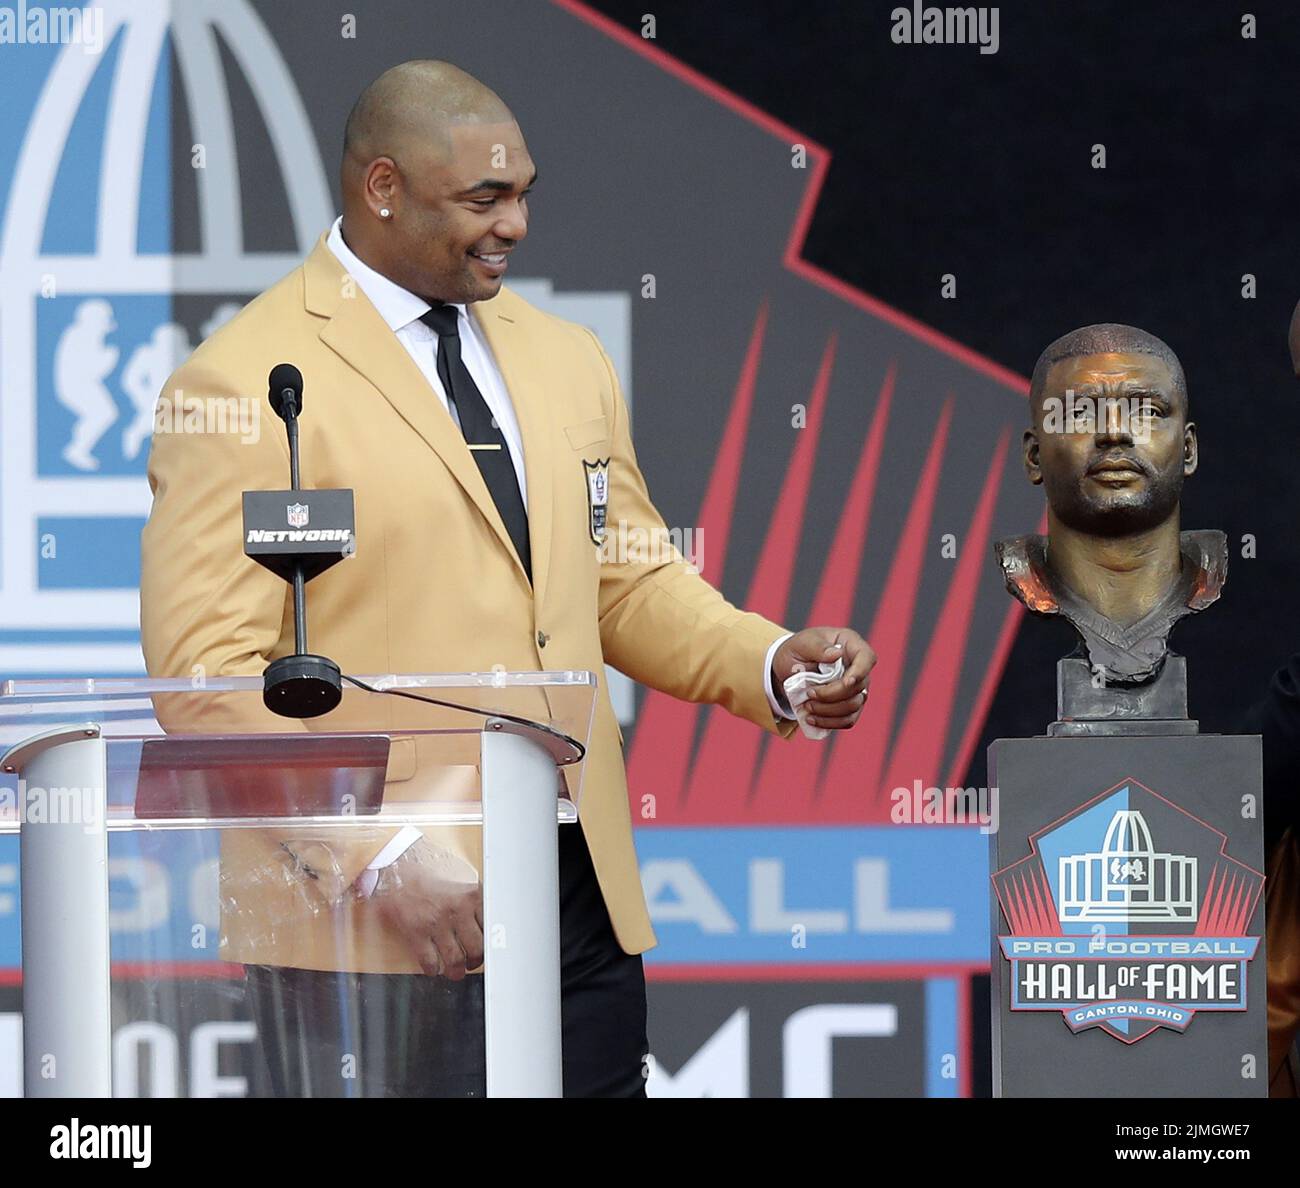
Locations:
column 300, row 685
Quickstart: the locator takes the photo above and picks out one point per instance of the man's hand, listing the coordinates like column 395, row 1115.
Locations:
column 433, row 898
column 838, row 705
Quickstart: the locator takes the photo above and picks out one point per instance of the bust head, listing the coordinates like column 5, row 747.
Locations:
column 1110, row 440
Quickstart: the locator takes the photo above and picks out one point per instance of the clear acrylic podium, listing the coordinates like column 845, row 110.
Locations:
column 189, row 861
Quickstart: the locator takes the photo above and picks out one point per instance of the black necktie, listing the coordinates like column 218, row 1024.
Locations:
column 482, row 434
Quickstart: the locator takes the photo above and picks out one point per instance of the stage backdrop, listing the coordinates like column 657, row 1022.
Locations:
column 825, row 458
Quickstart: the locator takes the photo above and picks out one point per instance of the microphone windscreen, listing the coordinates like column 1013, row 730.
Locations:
column 285, row 383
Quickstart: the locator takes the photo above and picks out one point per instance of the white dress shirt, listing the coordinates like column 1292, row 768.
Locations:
column 401, row 311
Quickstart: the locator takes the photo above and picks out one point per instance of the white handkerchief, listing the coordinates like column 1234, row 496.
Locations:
column 796, row 691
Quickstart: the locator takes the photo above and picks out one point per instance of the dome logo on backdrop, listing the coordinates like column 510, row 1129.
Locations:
column 96, row 310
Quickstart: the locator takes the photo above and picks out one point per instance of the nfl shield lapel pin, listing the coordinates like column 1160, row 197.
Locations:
column 597, row 497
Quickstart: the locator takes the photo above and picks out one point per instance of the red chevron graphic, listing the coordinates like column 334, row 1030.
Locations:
column 705, row 767
column 848, row 778
column 1026, row 899
column 858, row 757
column 919, row 744
column 730, row 748
column 790, row 774
column 1228, row 901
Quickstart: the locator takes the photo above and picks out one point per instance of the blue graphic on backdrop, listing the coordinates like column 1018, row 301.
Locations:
column 163, row 899
column 102, row 361
column 800, row 895
column 716, row 895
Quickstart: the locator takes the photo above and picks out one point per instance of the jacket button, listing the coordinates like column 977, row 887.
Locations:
column 542, row 637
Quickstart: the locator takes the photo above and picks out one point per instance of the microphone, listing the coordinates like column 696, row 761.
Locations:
column 300, row 685
column 285, row 382
column 285, row 394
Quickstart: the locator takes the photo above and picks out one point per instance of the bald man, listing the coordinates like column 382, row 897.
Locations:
column 487, row 444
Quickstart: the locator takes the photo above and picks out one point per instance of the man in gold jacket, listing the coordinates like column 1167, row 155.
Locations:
column 467, row 422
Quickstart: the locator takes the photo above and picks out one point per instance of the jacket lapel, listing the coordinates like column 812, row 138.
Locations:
column 357, row 333
column 518, row 358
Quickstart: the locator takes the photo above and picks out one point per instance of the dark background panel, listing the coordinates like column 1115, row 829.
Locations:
column 946, row 160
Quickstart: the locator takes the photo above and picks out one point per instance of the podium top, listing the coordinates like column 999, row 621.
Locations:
column 182, row 751
column 19, row 690
column 394, row 702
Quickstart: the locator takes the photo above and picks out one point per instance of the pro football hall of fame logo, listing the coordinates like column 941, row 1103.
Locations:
column 1128, row 914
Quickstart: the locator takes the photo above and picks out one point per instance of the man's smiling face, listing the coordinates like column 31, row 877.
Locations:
column 1104, row 476
column 464, row 207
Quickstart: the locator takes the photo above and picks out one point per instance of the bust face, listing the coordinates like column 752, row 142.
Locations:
column 1112, row 458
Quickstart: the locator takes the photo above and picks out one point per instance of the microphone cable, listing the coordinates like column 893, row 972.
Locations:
column 474, row 709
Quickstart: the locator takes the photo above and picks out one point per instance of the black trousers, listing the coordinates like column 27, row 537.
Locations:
column 327, row 1034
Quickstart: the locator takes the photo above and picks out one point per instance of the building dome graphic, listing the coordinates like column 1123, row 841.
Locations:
column 89, row 330
column 1127, row 879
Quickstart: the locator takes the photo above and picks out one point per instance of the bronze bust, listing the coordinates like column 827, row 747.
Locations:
column 1111, row 444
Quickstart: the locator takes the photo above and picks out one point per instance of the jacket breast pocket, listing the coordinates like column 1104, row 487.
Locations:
column 587, row 433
